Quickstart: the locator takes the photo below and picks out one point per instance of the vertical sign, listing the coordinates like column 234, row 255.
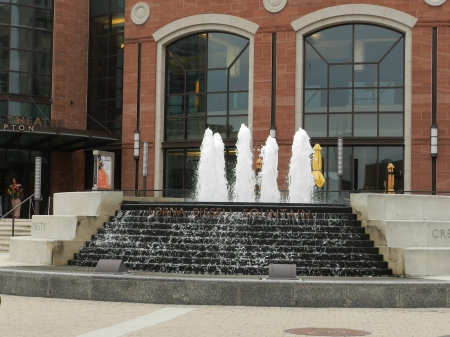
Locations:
column 103, row 170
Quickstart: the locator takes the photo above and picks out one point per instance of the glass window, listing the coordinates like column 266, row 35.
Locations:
column 340, row 125
column 195, row 128
column 356, row 69
column 366, row 125
column 21, row 61
column 196, row 105
column 365, row 163
column 216, row 104
column 22, row 38
column 335, row 44
column 117, row 5
column 115, row 88
column 175, row 129
column 391, row 125
column 316, row 125
column 22, row 16
column 98, row 47
column 115, row 66
column 223, row 49
column 174, row 105
column 4, row 59
column 117, row 23
column 341, row 100
column 43, row 19
column 341, row 76
column 316, row 100
column 238, row 104
column 114, row 110
column 23, row 2
column 40, row 110
column 20, row 83
column 19, row 109
column 44, row 3
column 217, row 124
column 239, row 72
column 42, row 41
column 316, row 69
column 99, row 25
column 42, row 63
column 42, row 85
column 99, row 7
column 195, row 81
column 97, row 68
column 217, row 80
column 3, row 82
column 5, row 14
column 4, row 36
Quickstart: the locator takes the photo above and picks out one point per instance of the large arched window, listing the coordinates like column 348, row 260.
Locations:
column 207, row 85
column 354, row 88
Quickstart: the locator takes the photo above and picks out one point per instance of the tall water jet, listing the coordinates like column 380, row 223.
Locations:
column 300, row 179
column 221, row 186
column 208, row 184
column 269, row 172
column 244, row 187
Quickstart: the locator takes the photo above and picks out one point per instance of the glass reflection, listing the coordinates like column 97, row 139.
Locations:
column 316, row 125
column 335, row 44
column 366, row 125
column 316, row 69
column 391, row 125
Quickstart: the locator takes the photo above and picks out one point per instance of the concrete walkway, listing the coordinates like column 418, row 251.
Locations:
column 34, row 317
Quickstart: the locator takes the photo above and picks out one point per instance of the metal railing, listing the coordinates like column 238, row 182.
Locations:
column 12, row 210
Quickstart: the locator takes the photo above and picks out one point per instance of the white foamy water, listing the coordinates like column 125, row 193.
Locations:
column 221, row 186
column 300, row 179
column 269, row 172
column 244, row 188
column 209, row 184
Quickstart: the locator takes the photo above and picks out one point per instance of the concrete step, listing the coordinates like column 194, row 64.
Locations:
column 22, row 227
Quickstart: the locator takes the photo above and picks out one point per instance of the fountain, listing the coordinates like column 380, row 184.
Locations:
column 215, row 236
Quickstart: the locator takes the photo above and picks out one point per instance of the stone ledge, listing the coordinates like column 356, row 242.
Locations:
column 236, row 292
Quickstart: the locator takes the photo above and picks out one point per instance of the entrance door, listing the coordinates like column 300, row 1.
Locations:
column 7, row 172
column 4, row 197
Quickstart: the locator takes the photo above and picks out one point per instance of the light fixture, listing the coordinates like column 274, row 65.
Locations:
column 340, row 157
column 273, row 132
column 434, row 140
column 145, row 161
column 136, row 144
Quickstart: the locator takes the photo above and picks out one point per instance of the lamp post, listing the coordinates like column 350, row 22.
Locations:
column 340, row 164
column 434, row 141
column 37, row 184
column 145, row 167
column 136, row 157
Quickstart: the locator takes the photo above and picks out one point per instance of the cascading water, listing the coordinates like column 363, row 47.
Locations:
column 211, row 180
column 221, row 186
column 269, row 172
column 300, row 179
column 243, row 190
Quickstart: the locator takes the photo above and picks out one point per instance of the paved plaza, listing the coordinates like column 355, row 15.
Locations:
column 34, row 316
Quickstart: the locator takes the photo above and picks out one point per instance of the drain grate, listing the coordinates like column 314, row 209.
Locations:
column 327, row 332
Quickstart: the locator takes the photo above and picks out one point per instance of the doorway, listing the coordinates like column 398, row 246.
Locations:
column 7, row 172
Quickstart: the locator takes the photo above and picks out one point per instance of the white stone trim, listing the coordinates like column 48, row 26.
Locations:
column 274, row 6
column 435, row 2
column 371, row 14
column 175, row 30
column 140, row 13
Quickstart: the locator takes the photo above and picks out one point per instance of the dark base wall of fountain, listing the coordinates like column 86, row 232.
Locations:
column 236, row 238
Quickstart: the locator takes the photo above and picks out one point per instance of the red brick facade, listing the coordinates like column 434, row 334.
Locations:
column 165, row 12
column 70, row 73
column 70, row 77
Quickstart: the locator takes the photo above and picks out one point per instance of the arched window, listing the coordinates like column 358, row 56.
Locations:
column 354, row 88
column 207, row 85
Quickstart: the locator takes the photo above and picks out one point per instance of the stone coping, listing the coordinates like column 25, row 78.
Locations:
column 158, row 288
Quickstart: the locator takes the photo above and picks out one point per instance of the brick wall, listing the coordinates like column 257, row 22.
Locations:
column 164, row 12
column 70, row 57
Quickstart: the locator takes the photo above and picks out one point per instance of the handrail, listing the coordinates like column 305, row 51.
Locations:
column 12, row 229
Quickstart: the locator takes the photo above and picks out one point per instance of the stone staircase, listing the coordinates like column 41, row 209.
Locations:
column 322, row 240
column 22, row 227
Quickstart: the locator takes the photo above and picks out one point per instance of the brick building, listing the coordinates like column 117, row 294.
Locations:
column 372, row 72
